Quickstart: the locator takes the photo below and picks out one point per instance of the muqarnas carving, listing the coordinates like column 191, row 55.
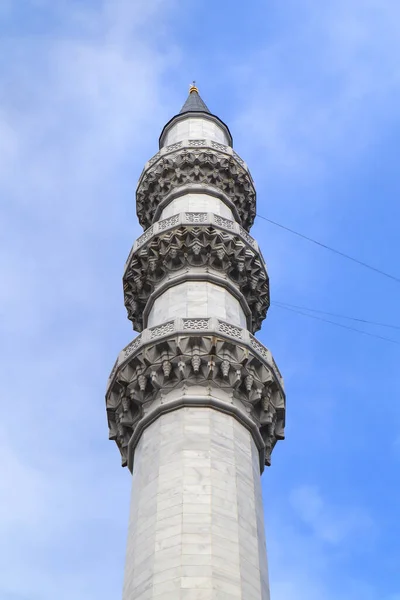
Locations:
column 207, row 167
column 196, row 246
column 195, row 359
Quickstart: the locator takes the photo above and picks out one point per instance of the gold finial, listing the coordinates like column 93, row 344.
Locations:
column 193, row 88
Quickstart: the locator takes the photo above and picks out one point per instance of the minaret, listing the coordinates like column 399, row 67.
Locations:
column 195, row 402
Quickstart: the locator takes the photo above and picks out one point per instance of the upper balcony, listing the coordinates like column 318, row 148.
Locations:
column 208, row 166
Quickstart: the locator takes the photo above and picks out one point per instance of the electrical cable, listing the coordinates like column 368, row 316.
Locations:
column 324, row 312
column 339, row 324
column 309, row 239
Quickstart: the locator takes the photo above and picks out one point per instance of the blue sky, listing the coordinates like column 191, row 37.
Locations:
column 310, row 91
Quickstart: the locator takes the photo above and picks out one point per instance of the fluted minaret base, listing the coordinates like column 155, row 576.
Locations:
column 196, row 526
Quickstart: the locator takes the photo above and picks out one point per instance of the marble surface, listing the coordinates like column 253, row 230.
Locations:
column 197, row 203
column 196, row 299
column 196, row 529
column 194, row 128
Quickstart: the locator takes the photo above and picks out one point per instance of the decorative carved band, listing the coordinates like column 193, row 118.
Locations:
column 209, row 325
column 188, row 218
column 168, row 251
column 196, row 144
column 168, row 361
column 196, row 165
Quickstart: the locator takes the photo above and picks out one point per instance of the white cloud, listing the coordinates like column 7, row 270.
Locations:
column 321, row 89
column 81, row 115
column 75, row 108
column 334, row 525
column 82, row 112
column 312, row 542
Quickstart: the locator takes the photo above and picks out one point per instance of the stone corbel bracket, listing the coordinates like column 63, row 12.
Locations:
column 195, row 162
column 199, row 241
column 153, row 374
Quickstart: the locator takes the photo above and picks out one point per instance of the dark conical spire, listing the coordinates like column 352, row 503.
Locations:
column 194, row 103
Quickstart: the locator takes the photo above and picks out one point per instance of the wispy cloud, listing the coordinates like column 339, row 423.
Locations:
column 311, row 540
column 74, row 123
column 318, row 85
column 333, row 525
column 81, row 107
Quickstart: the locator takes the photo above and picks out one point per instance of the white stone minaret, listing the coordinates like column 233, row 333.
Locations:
column 195, row 403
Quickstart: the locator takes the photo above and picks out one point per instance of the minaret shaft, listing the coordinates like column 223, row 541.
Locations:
column 195, row 403
column 196, row 524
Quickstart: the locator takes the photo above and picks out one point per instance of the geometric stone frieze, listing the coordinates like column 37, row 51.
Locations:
column 196, row 165
column 195, row 352
column 193, row 324
column 195, row 241
column 194, row 143
column 193, row 218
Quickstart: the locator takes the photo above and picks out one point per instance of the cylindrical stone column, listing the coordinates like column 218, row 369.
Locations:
column 195, row 403
column 196, row 526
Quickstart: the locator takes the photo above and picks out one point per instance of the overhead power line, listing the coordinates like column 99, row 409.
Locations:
column 347, row 256
column 304, row 314
column 331, row 314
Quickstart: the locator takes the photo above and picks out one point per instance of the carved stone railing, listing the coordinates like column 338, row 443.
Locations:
column 201, row 143
column 182, row 354
column 204, row 325
column 196, row 164
column 195, row 240
column 193, row 218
